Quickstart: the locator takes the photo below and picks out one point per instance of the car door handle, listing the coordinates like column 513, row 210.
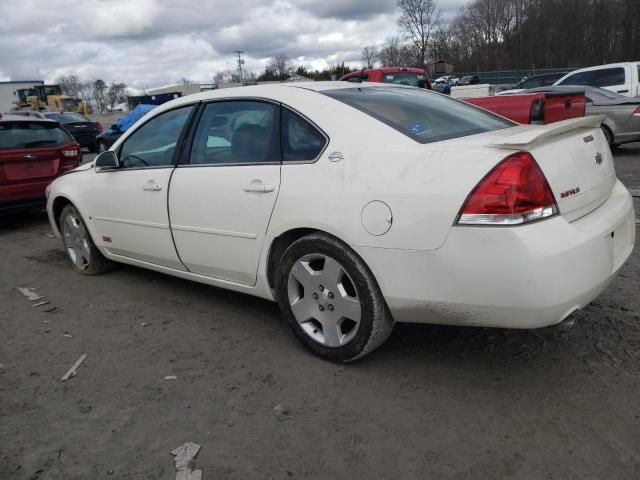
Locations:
column 152, row 186
column 259, row 188
column 622, row 91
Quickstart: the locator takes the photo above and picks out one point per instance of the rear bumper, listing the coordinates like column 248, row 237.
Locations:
column 513, row 277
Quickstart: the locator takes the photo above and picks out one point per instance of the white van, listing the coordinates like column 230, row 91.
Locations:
column 622, row 78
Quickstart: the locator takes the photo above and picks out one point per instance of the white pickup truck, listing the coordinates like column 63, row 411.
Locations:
column 622, row 78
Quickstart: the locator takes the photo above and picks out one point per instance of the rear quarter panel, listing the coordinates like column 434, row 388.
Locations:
column 423, row 185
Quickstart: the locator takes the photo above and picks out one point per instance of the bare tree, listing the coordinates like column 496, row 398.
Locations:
column 280, row 66
column 394, row 53
column 70, row 85
column 116, row 93
column 369, row 56
column 418, row 20
column 98, row 90
column 185, row 81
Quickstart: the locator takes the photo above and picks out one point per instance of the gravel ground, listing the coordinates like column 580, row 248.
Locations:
column 433, row 402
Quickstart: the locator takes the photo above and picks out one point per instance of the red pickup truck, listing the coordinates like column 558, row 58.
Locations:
column 537, row 108
column 414, row 77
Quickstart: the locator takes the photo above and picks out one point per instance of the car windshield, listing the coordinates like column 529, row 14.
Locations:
column 31, row 135
column 67, row 117
column 403, row 78
column 422, row 116
column 467, row 78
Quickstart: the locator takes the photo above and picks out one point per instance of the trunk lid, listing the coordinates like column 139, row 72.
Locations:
column 29, row 164
column 575, row 158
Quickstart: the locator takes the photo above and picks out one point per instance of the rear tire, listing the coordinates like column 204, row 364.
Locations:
column 82, row 254
column 609, row 136
column 331, row 299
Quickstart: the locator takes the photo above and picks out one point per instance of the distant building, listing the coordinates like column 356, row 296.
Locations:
column 439, row 68
column 9, row 92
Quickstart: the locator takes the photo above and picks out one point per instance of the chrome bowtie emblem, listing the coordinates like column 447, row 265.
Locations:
column 598, row 158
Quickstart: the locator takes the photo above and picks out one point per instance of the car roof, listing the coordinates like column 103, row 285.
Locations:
column 278, row 92
column 23, row 118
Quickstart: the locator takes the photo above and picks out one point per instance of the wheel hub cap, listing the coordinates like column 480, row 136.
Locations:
column 324, row 300
column 76, row 241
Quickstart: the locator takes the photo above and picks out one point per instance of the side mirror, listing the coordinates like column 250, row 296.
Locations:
column 107, row 161
column 115, row 127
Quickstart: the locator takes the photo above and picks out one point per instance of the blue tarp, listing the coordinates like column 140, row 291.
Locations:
column 132, row 117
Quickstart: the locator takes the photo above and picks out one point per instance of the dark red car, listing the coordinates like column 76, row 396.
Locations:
column 33, row 152
column 414, row 77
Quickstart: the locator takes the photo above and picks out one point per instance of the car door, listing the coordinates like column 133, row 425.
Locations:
column 129, row 203
column 223, row 192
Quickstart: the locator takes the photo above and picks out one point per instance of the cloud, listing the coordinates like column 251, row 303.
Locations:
column 156, row 42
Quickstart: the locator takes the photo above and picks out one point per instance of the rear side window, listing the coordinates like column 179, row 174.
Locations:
column 67, row 117
column 604, row 77
column 420, row 115
column 32, row 135
column 403, row 78
column 301, row 141
column 236, row 132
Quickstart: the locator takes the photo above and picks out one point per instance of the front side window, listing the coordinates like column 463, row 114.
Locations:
column 32, row 135
column 301, row 141
column 236, row 132
column 154, row 143
column 422, row 116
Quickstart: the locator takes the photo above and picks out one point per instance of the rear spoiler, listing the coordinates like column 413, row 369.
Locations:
column 536, row 133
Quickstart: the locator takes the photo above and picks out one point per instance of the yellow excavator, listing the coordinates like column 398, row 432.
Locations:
column 48, row 98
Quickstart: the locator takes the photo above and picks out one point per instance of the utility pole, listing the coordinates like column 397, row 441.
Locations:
column 240, row 63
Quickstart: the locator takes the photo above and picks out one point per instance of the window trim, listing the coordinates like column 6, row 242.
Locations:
column 327, row 140
column 176, row 154
column 184, row 160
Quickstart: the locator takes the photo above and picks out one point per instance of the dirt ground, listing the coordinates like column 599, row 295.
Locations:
column 432, row 403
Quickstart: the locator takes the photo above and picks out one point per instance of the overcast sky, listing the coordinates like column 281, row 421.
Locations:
column 157, row 42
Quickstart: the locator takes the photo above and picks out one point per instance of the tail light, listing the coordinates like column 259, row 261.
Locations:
column 99, row 127
column 514, row 192
column 71, row 153
column 536, row 114
column 636, row 113
column 71, row 157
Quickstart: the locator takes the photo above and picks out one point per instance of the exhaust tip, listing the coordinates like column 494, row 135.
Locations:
column 568, row 322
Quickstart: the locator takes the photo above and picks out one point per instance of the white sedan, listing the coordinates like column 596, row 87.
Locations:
column 355, row 206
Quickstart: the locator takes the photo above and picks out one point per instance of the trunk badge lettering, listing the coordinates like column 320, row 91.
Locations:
column 598, row 158
column 570, row 193
column 588, row 138
column 106, row 239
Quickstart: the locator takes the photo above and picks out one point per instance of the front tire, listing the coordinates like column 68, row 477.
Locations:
column 331, row 299
column 82, row 254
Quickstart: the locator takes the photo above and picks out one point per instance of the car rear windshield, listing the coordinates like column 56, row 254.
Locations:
column 31, row 135
column 421, row 115
column 67, row 117
column 403, row 78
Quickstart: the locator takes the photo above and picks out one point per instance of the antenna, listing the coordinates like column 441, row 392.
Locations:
column 240, row 63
